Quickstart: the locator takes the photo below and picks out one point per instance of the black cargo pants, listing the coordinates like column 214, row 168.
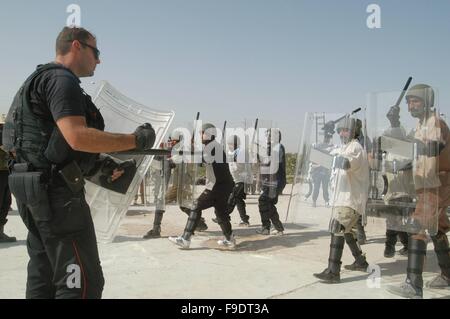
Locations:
column 61, row 243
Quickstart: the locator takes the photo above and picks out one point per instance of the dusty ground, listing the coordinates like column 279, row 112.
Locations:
column 260, row 267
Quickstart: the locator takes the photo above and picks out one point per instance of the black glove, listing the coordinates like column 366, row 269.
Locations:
column 145, row 137
column 201, row 181
column 394, row 116
column 342, row 162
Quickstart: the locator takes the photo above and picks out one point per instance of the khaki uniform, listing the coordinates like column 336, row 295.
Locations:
column 432, row 176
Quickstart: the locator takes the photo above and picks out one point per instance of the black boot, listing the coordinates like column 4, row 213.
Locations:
column 391, row 240
column 332, row 273
column 441, row 247
column 156, row 231
column 404, row 240
column 413, row 286
column 5, row 238
column 360, row 263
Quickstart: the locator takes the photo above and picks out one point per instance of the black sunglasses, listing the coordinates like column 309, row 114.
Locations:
column 94, row 49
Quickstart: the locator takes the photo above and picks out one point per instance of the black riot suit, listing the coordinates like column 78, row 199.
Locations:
column 61, row 242
column 273, row 177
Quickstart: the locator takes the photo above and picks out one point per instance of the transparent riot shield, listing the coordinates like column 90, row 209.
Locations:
column 404, row 172
column 156, row 182
column 315, row 176
column 237, row 139
column 122, row 115
column 187, row 179
column 269, row 152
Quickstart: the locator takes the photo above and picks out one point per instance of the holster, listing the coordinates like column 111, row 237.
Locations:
column 72, row 175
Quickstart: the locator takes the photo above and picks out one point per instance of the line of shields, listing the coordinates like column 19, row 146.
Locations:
column 403, row 179
column 179, row 179
column 172, row 174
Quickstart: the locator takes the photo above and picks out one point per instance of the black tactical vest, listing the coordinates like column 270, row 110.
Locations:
column 38, row 141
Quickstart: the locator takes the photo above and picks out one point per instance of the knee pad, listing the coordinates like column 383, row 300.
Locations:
column 336, row 227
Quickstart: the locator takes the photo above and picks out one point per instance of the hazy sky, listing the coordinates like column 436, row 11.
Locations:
column 236, row 59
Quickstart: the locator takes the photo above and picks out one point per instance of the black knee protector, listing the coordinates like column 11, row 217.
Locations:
column 336, row 227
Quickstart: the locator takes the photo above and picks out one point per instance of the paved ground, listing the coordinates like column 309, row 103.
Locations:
column 260, row 267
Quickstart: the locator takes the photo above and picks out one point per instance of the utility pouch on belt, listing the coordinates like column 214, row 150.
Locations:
column 30, row 189
column 72, row 175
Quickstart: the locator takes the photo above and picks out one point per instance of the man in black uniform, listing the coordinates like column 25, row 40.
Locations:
column 55, row 134
column 273, row 177
column 219, row 185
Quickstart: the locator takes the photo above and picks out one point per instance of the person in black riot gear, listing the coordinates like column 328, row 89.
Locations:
column 349, row 202
column 219, row 185
column 273, row 181
column 431, row 172
column 55, row 134
column 5, row 194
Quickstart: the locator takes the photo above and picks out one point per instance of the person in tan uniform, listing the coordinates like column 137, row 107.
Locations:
column 349, row 202
column 431, row 172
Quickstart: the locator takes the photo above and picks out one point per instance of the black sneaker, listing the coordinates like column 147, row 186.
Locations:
column 403, row 251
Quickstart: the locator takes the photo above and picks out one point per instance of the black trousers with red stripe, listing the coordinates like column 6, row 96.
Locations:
column 61, row 243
